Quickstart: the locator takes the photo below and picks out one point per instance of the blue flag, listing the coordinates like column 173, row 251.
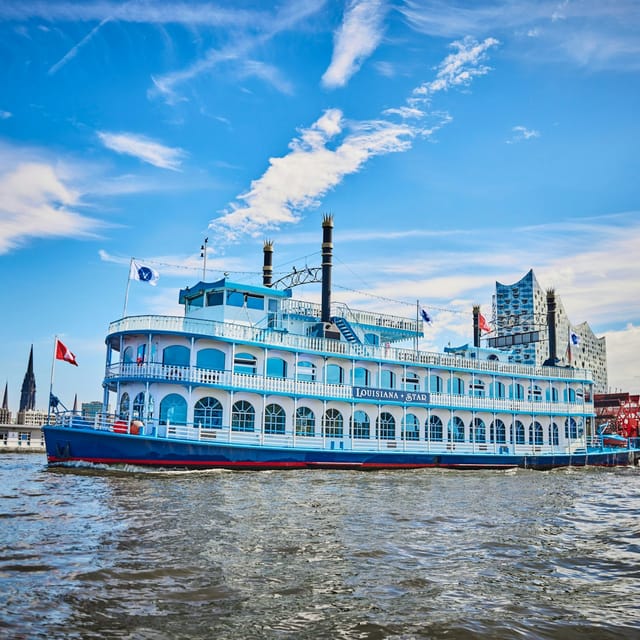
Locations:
column 425, row 316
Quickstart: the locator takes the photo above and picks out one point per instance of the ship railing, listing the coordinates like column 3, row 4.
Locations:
column 290, row 386
column 268, row 337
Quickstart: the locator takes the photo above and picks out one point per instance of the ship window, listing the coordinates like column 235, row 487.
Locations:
column 410, row 427
column 138, row 407
column 239, row 299
column 335, row 374
column 478, row 430
column 535, row 433
column 127, row 356
column 435, row 429
column 411, row 382
column 274, row 419
column 371, row 338
column 360, row 425
column 276, row 368
column 569, row 395
column 243, row 416
column 124, row 406
column 215, row 298
column 196, row 301
column 516, row 392
column 570, row 428
column 497, row 389
column 519, row 429
column 386, row 426
column 436, row 385
column 456, row 429
column 305, row 422
column 244, row 363
column 456, row 386
column 535, row 394
column 361, row 377
column 552, row 395
column 176, row 355
column 273, row 305
column 210, row 359
column 332, row 424
column 387, row 379
column 173, row 409
column 476, row 389
column 306, row 371
column 207, row 413
column 555, row 433
column 498, row 432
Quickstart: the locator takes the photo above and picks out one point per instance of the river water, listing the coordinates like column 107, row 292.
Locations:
column 91, row 553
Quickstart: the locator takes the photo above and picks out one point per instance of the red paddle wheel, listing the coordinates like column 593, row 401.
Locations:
column 627, row 421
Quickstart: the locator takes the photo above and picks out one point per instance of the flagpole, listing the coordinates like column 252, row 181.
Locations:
column 126, row 295
column 53, row 364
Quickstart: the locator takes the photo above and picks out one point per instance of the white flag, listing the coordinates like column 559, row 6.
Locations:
column 143, row 273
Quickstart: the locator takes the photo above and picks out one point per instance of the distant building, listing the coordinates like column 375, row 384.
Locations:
column 5, row 414
column 34, row 418
column 520, row 314
column 90, row 409
column 28, row 393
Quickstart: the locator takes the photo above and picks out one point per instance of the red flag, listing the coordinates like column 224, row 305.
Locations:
column 482, row 323
column 62, row 353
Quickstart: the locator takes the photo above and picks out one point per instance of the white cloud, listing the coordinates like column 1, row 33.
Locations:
column 4, row 115
column 37, row 201
column 357, row 38
column 521, row 133
column 74, row 50
column 144, row 149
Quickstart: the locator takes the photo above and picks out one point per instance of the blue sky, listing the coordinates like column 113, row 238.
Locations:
column 455, row 143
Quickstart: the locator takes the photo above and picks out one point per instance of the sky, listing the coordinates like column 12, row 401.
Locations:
column 456, row 144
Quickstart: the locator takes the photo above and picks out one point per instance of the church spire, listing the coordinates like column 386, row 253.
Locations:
column 5, row 399
column 28, row 393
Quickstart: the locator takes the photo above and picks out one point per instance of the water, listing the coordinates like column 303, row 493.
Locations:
column 89, row 553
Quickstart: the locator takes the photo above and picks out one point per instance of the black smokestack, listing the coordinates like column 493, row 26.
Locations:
column 267, row 265
column 476, row 325
column 327, row 255
column 551, row 326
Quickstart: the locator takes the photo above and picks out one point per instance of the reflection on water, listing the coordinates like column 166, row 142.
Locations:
column 89, row 553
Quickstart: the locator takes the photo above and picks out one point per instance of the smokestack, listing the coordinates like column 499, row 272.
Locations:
column 476, row 325
column 327, row 255
column 551, row 326
column 267, row 265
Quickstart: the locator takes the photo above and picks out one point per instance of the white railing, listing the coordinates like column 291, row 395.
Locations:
column 270, row 338
column 290, row 387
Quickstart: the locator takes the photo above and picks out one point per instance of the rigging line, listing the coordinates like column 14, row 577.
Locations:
column 356, row 275
column 403, row 302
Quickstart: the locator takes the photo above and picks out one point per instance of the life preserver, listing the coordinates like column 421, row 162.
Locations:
column 120, row 426
column 136, row 427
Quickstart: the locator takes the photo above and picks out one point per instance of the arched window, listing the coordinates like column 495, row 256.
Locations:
column 243, row 416
column 387, row 379
column 127, row 356
column 538, row 433
column 498, row 431
column 569, row 395
column 332, row 424
column 305, row 422
column 207, row 413
column 478, row 430
column 516, row 391
column 519, row 429
column 306, row 371
column 335, row 374
column 210, row 359
column 276, row 368
column 361, row 377
column 552, row 395
column 497, row 389
column 570, row 428
column 124, row 406
column 360, row 425
column 436, row 384
column 138, row 407
column 176, row 355
column 386, row 426
column 456, row 386
column 535, row 393
column 173, row 409
column 477, row 388
column 274, row 419
column 435, row 429
column 555, row 433
column 410, row 427
column 245, row 363
column 456, row 429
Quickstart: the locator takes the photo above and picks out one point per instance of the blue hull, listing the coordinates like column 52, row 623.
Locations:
column 65, row 445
